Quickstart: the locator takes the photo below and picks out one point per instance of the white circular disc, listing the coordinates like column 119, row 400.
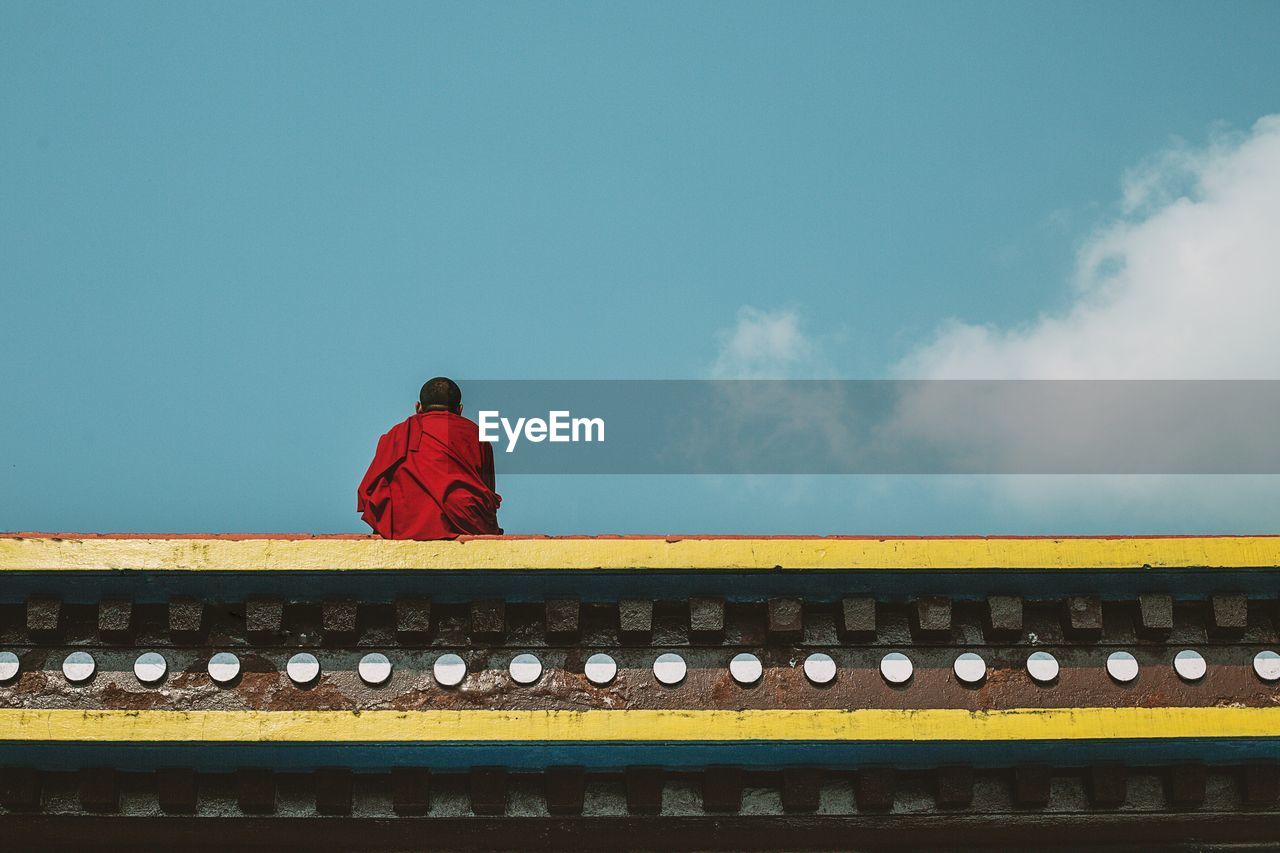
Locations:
column 449, row 670
column 374, row 669
column 1122, row 666
column 525, row 669
column 150, row 667
column 1189, row 665
column 669, row 668
column 896, row 668
column 820, row 668
column 8, row 665
column 600, row 669
column 970, row 668
column 303, row 668
column 1042, row 667
column 1266, row 664
column 79, row 666
column 746, row 668
column 224, row 667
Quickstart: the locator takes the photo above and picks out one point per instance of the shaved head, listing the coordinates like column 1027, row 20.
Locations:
column 440, row 393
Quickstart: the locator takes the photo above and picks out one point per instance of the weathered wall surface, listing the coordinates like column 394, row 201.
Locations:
column 767, row 685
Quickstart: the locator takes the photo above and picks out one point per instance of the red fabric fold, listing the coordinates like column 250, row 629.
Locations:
column 431, row 478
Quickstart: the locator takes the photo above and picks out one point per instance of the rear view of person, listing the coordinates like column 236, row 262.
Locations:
column 432, row 476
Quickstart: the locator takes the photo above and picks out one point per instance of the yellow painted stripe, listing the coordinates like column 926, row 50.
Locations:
column 428, row 726
column 96, row 554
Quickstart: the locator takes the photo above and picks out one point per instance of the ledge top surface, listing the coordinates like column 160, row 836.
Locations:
column 58, row 552
column 620, row 726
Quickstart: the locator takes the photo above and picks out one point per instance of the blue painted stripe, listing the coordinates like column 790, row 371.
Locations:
column 608, row 756
column 822, row 585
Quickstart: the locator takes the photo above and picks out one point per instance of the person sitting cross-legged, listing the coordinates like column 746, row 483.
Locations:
column 432, row 476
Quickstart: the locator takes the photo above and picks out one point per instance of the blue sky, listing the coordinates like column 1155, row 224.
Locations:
column 237, row 237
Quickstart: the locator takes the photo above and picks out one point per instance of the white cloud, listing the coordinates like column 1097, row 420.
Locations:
column 769, row 345
column 763, row 345
column 1185, row 285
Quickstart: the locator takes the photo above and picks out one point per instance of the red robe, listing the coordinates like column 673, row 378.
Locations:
column 431, row 478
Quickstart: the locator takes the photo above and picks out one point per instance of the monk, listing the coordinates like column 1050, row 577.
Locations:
column 432, row 476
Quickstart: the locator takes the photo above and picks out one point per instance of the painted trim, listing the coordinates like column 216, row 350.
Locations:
column 57, row 554
column 638, row 726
